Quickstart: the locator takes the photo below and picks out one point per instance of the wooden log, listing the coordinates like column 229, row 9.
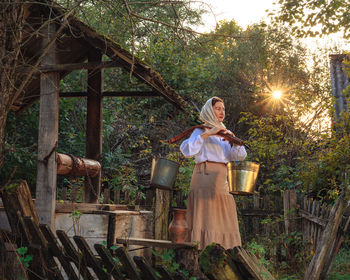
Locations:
column 147, row 272
column 70, row 165
column 216, row 264
column 108, row 261
column 89, row 258
column 73, row 254
column 16, row 197
column 128, row 265
column 48, row 133
column 57, row 251
column 94, row 126
column 317, row 264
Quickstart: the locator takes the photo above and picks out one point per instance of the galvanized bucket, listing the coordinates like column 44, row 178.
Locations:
column 242, row 177
column 164, row 172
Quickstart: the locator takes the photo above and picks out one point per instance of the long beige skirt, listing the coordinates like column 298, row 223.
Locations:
column 211, row 209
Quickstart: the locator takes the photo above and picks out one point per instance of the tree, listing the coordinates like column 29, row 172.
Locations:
column 315, row 18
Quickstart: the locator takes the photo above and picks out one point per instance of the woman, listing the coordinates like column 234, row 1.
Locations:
column 211, row 209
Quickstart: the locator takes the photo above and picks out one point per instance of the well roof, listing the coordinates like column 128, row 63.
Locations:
column 73, row 45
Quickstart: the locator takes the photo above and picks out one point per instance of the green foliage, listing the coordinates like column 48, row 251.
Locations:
column 314, row 18
column 23, row 257
column 341, row 265
column 168, row 260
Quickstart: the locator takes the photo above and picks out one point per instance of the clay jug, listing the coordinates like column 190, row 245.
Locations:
column 178, row 228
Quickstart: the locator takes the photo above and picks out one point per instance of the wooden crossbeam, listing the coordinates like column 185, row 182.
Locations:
column 73, row 66
column 112, row 94
column 156, row 243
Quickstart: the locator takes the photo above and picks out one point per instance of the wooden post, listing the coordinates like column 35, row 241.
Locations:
column 289, row 205
column 48, row 134
column 162, row 214
column 94, row 126
column 318, row 262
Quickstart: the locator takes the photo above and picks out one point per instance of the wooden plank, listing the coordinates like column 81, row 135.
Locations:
column 317, row 264
column 108, row 261
column 89, row 257
column 164, row 273
column 106, row 195
column 246, row 221
column 51, row 269
column 312, row 218
column 334, row 250
column 156, row 243
column 87, row 208
column 289, row 206
column 16, row 197
column 57, row 251
column 134, row 94
column 74, row 255
column 147, row 272
column 116, row 198
column 48, row 134
column 71, row 67
column 317, row 227
column 266, row 205
column 252, row 264
column 128, row 265
column 112, row 221
column 162, row 209
column 94, row 126
column 63, row 195
column 256, row 207
column 313, row 226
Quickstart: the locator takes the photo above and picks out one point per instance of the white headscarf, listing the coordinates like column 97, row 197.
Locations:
column 208, row 116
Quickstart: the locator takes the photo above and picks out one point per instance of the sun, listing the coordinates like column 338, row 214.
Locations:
column 277, row 94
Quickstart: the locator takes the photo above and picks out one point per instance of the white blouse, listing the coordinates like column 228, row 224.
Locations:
column 211, row 149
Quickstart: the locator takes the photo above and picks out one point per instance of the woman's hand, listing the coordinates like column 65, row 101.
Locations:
column 211, row 131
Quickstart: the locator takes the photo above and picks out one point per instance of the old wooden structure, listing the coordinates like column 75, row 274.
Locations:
column 56, row 43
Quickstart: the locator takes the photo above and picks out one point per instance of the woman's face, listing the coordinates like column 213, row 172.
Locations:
column 219, row 111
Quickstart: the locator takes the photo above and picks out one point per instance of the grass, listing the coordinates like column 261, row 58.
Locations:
column 341, row 266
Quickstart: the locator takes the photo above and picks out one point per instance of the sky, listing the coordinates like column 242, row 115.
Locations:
column 244, row 12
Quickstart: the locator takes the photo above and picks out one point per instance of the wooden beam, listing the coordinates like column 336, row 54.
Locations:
column 94, row 126
column 48, row 135
column 93, row 65
column 113, row 94
column 156, row 243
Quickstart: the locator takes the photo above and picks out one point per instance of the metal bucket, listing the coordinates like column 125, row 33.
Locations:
column 242, row 177
column 163, row 173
